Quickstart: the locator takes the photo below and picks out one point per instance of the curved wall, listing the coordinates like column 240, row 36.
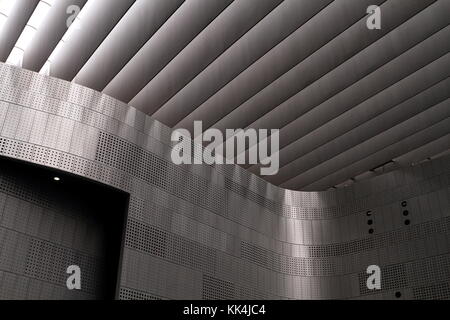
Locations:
column 196, row 232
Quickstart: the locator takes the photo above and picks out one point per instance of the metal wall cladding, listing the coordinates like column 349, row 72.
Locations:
column 219, row 232
column 42, row 232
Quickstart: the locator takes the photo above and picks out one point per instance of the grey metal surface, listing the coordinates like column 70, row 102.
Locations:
column 220, row 232
column 49, row 34
column 14, row 25
column 79, row 47
column 309, row 68
column 45, row 227
column 143, row 19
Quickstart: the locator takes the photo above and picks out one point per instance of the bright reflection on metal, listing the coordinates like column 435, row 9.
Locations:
column 36, row 19
column 5, row 10
column 75, row 26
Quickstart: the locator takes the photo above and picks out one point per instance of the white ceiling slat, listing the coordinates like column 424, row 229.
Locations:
column 297, row 122
column 412, row 142
column 352, row 88
column 227, row 28
column 382, row 144
column 99, row 18
column 13, row 26
column 311, row 94
column 26, row 37
column 252, row 47
column 314, row 152
column 49, row 34
column 178, row 31
column 345, row 98
column 319, row 64
column 435, row 68
column 136, row 27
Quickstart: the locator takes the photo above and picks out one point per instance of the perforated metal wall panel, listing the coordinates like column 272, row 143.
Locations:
column 44, row 229
column 217, row 232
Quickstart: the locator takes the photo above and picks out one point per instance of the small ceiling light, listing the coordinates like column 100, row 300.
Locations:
column 56, row 178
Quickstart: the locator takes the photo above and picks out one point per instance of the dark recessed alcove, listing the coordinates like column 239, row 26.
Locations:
column 79, row 221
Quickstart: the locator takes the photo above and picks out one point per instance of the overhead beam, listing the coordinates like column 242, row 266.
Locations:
column 14, row 25
column 49, row 34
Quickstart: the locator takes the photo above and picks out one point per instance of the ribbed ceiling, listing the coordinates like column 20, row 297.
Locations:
column 348, row 101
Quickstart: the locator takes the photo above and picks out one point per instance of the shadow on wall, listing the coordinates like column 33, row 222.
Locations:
column 59, row 220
